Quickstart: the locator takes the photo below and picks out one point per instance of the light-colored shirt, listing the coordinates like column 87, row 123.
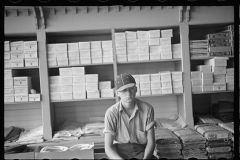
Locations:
column 125, row 129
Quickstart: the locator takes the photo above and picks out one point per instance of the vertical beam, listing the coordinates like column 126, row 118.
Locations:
column 43, row 73
column 186, row 110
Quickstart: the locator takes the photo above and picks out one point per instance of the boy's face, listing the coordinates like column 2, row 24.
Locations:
column 127, row 95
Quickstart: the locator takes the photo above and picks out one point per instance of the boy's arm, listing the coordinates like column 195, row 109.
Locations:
column 150, row 144
column 109, row 150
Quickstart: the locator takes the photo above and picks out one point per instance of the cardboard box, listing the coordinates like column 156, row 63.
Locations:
column 74, row 61
column 107, row 44
column 17, row 54
column 79, row 95
column 8, row 82
column 34, row 97
column 177, row 82
column 136, row 77
column 166, row 76
column 204, row 68
column 166, row 48
column 21, row 98
column 66, row 80
column 155, row 84
column 219, row 70
column 154, row 42
column 72, row 46
column 145, row 92
column 120, row 43
column 207, row 75
column 66, row 96
column 85, row 60
column 93, row 94
column 54, row 88
column 154, row 33
column 208, row 88
column 219, row 86
column 216, row 62
column 62, row 62
column 177, row 55
column 145, row 85
column 221, row 78
column 91, row 86
column 196, row 82
column 144, row 77
column 30, row 45
column 229, row 79
column 51, row 55
column 9, row 73
column 230, row 71
column 142, row 42
column 96, row 53
column 166, row 55
column 132, row 43
column 142, row 34
column 196, row 89
column 104, row 85
column 143, row 50
column 17, row 63
column 230, row 86
column 31, row 62
column 196, row 74
column 16, row 46
column 166, row 33
column 107, row 52
column 120, row 36
column 155, row 56
column 132, row 57
column 121, row 50
column 107, row 93
column 96, row 60
column 154, row 49
column 138, row 93
column 155, row 77
column 107, row 59
column 176, row 75
column 65, row 72
column 66, row 88
column 121, row 58
column 83, row 45
column 84, row 53
column 178, row 89
column 9, row 98
column 51, row 47
column 73, row 54
column 131, row 35
column 61, row 47
column 168, row 90
column 206, row 82
column 30, row 54
column 7, row 55
column 166, row 84
column 177, row 47
column 165, row 41
column 62, row 54
column 6, row 46
column 138, row 86
column 78, row 71
column 54, row 79
column 55, row 96
column 79, row 87
column 132, row 50
column 155, row 91
column 8, row 91
column 22, row 81
column 96, row 44
column 19, row 90
column 91, row 78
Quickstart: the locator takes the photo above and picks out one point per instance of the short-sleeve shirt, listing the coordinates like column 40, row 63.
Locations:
column 125, row 129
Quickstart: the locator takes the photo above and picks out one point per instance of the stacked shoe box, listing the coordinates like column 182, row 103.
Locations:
column 193, row 143
column 198, row 48
column 218, row 140
column 168, row 145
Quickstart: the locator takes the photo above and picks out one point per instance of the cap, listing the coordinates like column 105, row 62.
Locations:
column 124, row 81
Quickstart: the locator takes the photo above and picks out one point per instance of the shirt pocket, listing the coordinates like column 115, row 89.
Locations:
column 141, row 137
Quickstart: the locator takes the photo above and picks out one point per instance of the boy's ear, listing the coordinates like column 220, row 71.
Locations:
column 116, row 92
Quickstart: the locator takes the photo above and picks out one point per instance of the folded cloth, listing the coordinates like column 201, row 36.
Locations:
column 164, row 155
column 194, row 146
column 226, row 155
column 172, row 157
column 184, row 132
column 228, row 126
column 218, row 149
column 194, row 138
column 169, row 146
column 168, row 150
column 165, row 136
column 15, row 149
column 204, row 118
column 12, row 133
column 33, row 134
column 219, row 142
column 196, row 156
column 187, row 152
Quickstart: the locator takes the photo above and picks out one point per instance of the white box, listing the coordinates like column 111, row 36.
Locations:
column 166, row 33
column 51, row 47
column 155, row 56
column 104, row 85
column 230, row 86
column 132, row 57
column 144, row 77
column 216, row 62
column 207, row 75
column 85, row 60
column 84, row 45
column 79, row 87
column 229, row 79
column 142, row 34
column 6, row 46
column 177, row 82
column 120, row 43
column 93, row 94
column 131, row 35
column 96, row 53
column 165, row 41
column 97, row 60
column 155, row 77
column 73, row 54
column 177, row 47
column 166, row 48
column 74, row 61
column 22, row 81
column 120, row 36
column 91, row 86
column 107, row 59
column 166, row 76
column 91, row 78
column 8, row 82
column 8, row 91
column 166, row 55
column 21, row 98
column 65, row 72
column 206, row 82
column 34, row 97
column 219, row 70
column 121, row 58
column 54, row 88
column 177, row 55
column 78, row 71
column 95, row 44
column 65, row 80
column 168, row 90
column 19, row 90
column 166, row 84
column 155, row 91
column 196, row 74
column 107, row 93
column 55, row 96
column 138, row 93
column 178, row 89
column 54, row 79
column 132, row 43
column 61, row 47
column 208, row 88
column 143, row 57
column 132, row 50
column 221, row 78
column 196, row 82
column 107, row 52
column 230, row 71
column 72, row 46
column 62, row 62
column 155, row 84
column 107, row 44
column 30, row 45
column 17, row 63
column 154, row 42
column 176, row 75
column 66, row 88
column 7, row 55
column 85, row 53
column 196, row 89
column 121, row 50
column 66, row 96
column 136, row 77
column 154, row 49
column 219, row 87
column 154, row 33
column 8, row 98
column 204, row 68
column 142, row 42
column 144, row 92
column 143, row 50
column 9, row 73
column 30, row 54
column 79, row 95
column 16, row 46
column 51, row 55
column 62, row 54
column 138, row 86
column 145, row 85
column 17, row 54
column 30, row 62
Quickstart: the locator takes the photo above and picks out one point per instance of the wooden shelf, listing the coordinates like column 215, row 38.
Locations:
column 151, row 61
column 213, row 92
column 205, row 58
column 90, row 99
column 37, row 67
column 21, row 102
column 83, row 65
column 157, row 95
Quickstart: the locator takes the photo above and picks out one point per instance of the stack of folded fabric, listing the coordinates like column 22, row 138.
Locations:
column 93, row 130
column 11, row 134
column 218, row 140
column 205, row 118
column 167, row 144
column 193, row 143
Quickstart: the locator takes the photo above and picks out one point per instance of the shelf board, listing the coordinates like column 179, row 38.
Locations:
column 83, row 65
column 213, row 92
column 23, row 67
column 204, row 58
column 21, row 102
column 90, row 99
column 151, row 61
column 157, row 95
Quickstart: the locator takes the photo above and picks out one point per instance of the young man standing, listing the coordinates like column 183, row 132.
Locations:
column 129, row 131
